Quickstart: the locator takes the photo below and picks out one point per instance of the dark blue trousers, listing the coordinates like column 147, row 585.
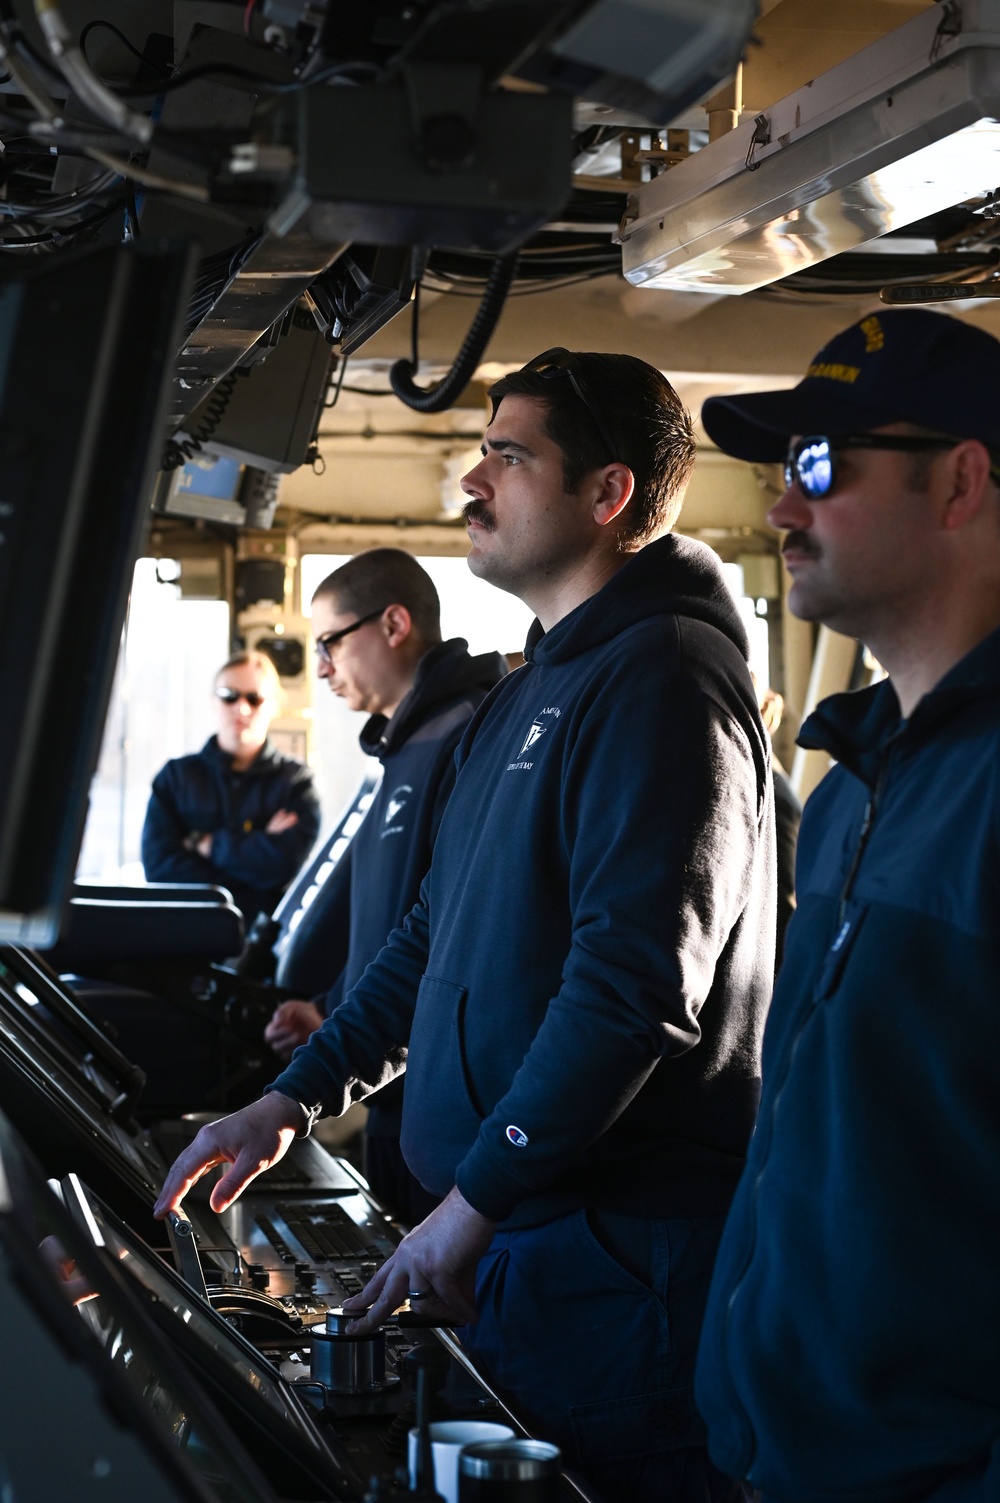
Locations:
column 589, row 1326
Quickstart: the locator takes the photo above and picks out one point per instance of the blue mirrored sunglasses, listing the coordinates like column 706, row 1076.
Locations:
column 811, row 463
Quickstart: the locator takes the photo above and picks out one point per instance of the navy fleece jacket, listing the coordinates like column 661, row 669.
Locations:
column 584, row 981
column 202, row 793
column 851, row 1348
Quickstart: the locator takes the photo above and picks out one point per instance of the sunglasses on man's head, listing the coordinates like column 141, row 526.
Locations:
column 560, row 362
column 233, row 696
column 811, row 463
column 331, row 638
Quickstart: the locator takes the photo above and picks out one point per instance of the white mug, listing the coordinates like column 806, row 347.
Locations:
column 447, row 1439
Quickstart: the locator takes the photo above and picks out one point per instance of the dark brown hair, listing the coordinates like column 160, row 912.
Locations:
column 385, row 576
column 643, row 414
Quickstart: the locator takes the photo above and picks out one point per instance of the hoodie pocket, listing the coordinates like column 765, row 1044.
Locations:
column 440, row 1118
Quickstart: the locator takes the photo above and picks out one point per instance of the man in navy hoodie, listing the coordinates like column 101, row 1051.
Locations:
column 582, row 987
column 377, row 625
column 852, row 1344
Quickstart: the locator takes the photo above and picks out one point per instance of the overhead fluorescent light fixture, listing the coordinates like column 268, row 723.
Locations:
column 905, row 128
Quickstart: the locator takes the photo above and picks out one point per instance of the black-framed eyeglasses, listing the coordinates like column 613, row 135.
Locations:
column 331, row 638
column 811, row 463
column 560, row 362
column 233, row 696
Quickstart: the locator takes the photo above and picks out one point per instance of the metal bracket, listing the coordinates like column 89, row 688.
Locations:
column 949, row 26
column 761, row 137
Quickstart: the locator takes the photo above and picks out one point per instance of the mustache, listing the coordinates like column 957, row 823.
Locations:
column 475, row 511
column 800, row 542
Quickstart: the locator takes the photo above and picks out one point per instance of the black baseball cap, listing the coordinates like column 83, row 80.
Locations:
column 904, row 365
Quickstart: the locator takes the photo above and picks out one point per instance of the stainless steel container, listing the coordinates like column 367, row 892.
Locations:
column 509, row 1471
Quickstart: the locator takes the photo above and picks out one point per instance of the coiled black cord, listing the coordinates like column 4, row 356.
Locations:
column 177, row 451
column 454, row 383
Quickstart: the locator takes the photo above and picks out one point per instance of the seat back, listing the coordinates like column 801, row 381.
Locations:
column 120, row 924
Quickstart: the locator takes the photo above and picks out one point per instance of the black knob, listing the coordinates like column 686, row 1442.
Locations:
column 259, row 1276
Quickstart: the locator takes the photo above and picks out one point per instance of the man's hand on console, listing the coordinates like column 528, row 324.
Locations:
column 434, row 1267
column 292, row 1023
column 251, row 1140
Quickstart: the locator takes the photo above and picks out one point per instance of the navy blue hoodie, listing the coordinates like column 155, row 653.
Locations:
column 389, row 856
column 851, row 1348
column 587, row 972
column 203, row 793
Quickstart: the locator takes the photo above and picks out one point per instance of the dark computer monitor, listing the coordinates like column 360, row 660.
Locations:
column 62, row 1087
column 279, row 1431
column 87, row 351
column 95, row 1403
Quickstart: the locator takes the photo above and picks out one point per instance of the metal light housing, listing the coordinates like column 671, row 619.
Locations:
column 907, row 127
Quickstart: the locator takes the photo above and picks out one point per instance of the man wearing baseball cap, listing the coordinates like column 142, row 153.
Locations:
column 852, row 1343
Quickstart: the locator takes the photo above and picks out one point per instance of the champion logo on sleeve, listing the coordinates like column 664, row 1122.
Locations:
column 517, row 1137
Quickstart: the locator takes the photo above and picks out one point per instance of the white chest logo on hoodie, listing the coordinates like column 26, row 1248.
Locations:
column 536, row 731
column 397, row 803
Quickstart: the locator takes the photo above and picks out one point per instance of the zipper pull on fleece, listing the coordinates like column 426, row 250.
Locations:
column 852, row 917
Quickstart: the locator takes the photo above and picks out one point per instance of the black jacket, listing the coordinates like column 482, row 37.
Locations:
column 587, row 972
column 852, row 1344
column 202, row 793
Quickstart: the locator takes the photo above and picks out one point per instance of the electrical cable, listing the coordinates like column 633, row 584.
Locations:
column 28, row 242
column 131, row 212
column 340, row 383
column 66, row 203
column 415, row 329
column 30, row 88
column 854, row 274
column 177, row 451
column 108, row 26
column 340, row 73
column 540, row 266
column 474, row 345
column 24, row 45
column 196, row 192
column 528, row 252
column 214, row 275
column 533, row 289
column 82, row 79
column 366, row 391
column 48, row 130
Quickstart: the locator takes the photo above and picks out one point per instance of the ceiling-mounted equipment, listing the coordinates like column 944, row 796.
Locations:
column 903, row 129
column 650, row 57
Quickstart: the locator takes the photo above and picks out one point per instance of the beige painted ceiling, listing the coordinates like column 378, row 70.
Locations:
column 384, row 464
